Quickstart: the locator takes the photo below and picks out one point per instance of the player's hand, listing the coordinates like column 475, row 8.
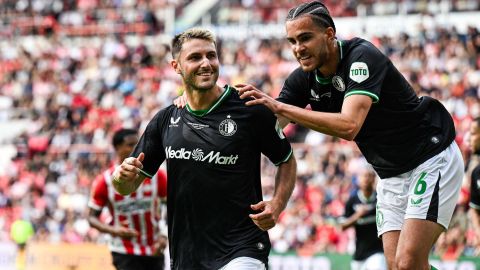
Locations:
column 268, row 216
column 259, row 97
column 130, row 168
column 124, row 232
column 160, row 245
column 180, row 101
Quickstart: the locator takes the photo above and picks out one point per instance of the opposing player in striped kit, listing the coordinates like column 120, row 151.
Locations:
column 136, row 241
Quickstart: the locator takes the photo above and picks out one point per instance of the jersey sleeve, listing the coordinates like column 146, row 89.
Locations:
column 366, row 69
column 162, row 183
column 273, row 142
column 475, row 189
column 151, row 145
column 99, row 194
column 294, row 89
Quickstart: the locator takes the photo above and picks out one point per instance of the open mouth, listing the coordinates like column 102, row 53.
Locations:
column 303, row 59
column 205, row 74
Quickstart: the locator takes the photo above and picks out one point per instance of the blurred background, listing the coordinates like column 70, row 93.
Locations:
column 74, row 71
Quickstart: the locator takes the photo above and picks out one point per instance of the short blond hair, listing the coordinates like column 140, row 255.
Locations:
column 193, row 33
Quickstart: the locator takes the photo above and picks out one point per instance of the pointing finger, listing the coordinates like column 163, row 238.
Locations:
column 141, row 156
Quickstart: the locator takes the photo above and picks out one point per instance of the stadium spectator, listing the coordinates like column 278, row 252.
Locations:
column 217, row 218
column 137, row 242
column 360, row 214
column 475, row 178
column 357, row 94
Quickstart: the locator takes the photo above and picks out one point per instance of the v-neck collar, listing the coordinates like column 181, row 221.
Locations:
column 219, row 101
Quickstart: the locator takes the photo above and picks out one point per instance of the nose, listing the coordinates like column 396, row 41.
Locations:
column 297, row 48
column 205, row 62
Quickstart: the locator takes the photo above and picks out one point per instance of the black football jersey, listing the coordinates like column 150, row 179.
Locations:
column 401, row 130
column 367, row 242
column 213, row 168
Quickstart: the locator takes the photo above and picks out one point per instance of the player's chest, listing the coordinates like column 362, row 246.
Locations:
column 226, row 132
column 327, row 94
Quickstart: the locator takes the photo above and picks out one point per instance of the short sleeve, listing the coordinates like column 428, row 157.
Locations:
column 294, row 89
column 151, row 145
column 273, row 142
column 367, row 68
column 99, row 194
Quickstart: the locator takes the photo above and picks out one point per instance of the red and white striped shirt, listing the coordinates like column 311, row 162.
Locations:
column 140, row 210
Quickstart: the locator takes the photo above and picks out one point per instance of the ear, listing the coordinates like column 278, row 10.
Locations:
column 176, row 66
column 330, row 33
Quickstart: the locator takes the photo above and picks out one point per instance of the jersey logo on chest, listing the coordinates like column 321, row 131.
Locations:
column 338, row 83
column 174, row 122
column 227, row 127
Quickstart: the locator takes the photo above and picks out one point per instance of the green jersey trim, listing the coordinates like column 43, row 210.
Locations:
column 340, row 44
column 219, row 101
column 285, row 159
column 322, row 80
column 474, row 206
column 144, row 173
column 363, row 92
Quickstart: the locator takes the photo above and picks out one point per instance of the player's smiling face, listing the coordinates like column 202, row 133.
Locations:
column 308, row 42
column 198, row 64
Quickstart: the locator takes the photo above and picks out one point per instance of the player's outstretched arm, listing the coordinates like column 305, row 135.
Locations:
column 345, row 124
column 127, row 176
column 350, row 221
column 120, row 231
column 284, row 184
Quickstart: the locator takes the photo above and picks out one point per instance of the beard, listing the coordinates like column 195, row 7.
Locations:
column 194, row 83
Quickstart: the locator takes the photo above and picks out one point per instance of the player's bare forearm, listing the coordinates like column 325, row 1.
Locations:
column 345, row 124
column 285, row 182
column 95, row 222
column 349, row 222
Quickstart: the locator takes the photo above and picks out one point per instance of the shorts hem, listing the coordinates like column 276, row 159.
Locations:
column 388, row 229
column 439, row 222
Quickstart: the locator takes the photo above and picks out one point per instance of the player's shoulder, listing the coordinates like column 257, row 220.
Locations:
column 100, row 181
column 164, row 114
column 356, row 48
column 252, row 109
column 255, row 112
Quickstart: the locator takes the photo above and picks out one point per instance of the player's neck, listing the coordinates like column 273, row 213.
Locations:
column 203, row 100
column 330, row 67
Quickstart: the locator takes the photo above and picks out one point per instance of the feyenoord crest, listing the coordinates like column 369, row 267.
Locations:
column 227, row 127
column 338, row 83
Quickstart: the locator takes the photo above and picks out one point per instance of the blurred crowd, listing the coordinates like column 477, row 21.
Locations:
column 61, row 99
